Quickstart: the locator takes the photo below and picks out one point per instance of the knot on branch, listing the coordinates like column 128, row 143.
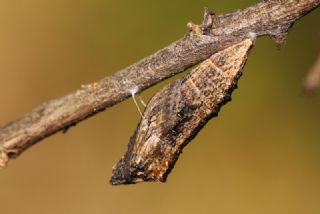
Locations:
column 280, row 34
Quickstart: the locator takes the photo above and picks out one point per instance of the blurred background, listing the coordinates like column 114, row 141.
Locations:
column 261, row 155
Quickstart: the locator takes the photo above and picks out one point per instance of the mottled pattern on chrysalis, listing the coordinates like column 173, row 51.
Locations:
column 176, row 114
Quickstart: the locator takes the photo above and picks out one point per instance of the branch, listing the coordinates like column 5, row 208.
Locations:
column 312, row 79
column 269, row 17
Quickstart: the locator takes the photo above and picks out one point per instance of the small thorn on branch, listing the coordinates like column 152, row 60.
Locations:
column 280, row 34
column 207, row 19
column 279, row 39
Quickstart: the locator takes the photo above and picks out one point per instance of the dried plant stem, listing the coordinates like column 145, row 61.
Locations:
column 268, row 17
column 312, row 79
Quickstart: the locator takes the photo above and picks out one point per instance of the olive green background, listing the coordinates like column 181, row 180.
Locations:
column 261, row 155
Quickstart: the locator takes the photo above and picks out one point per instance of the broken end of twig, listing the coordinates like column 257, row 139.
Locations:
column 309, row 90
column 311, row 83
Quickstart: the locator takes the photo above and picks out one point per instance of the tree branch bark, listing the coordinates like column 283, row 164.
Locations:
column 269, row 17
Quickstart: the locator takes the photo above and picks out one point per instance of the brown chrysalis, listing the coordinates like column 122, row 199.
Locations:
column 176, row 114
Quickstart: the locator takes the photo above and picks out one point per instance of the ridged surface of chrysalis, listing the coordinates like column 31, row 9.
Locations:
column 176, row 114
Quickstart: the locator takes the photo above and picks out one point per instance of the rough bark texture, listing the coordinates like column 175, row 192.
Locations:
column 269, row 17
column 176, row 114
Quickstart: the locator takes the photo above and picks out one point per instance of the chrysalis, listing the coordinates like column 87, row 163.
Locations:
column 176, row 114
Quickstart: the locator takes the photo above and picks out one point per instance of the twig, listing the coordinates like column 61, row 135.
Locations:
column 269, row 17
column 312, row 79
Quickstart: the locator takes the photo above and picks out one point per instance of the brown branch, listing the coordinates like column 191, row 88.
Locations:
column 312, row 79
column 269, row 17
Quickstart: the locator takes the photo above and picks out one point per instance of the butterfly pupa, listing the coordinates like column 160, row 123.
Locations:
column 175, row 115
